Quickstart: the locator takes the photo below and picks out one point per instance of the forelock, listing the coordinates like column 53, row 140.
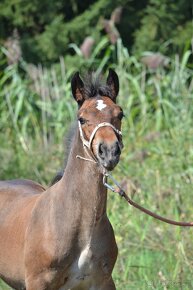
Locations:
column 95, row 86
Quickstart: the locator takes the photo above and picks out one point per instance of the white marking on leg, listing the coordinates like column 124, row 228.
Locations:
column 100, row 105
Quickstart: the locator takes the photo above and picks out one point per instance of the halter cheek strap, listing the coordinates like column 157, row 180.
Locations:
column 87, row 144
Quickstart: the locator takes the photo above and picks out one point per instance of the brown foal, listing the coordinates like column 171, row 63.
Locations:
column 61, row 238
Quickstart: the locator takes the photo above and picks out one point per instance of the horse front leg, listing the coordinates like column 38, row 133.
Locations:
column 42, row 281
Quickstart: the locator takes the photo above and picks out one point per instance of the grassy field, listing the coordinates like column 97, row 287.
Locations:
column 156, row 166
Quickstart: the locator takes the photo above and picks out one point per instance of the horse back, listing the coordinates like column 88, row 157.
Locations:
column 17, row 200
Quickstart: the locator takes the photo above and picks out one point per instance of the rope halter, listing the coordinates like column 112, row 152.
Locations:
column 88, row 143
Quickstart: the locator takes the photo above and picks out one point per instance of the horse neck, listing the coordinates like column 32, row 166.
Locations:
column 82, row 184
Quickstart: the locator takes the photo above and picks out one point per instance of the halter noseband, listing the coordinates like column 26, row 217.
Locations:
column 87, row 144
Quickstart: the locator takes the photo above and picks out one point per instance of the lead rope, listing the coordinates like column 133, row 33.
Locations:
column 122, row 193
column 119, row 189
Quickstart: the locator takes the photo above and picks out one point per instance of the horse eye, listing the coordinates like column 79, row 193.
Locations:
column 121, row 115
column 82, row 120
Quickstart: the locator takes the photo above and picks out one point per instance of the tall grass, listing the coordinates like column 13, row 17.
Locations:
column 36, row 109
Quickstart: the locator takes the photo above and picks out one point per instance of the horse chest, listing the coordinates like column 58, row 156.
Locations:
column 88, row 269
column 91, row 264
column 84, row 265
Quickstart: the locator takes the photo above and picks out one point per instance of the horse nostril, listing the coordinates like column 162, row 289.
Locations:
column 108, row 152
column 101, row 150
column 117, row 150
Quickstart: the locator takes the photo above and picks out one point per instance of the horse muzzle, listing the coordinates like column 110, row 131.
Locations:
column 109, row 154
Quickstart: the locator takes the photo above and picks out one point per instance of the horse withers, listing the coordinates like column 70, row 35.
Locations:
column 60, row 237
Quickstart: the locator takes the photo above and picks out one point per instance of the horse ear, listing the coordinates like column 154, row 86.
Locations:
column 113, row 83
column 77, row 87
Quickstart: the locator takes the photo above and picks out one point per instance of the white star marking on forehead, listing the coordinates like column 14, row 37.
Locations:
column 100, row 105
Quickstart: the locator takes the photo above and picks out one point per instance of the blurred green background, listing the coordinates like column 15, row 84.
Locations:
column 150, row 44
